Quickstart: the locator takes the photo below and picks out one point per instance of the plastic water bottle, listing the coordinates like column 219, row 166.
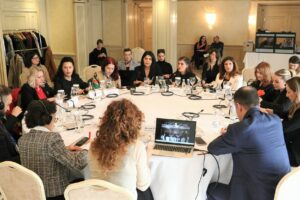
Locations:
column 232, row 111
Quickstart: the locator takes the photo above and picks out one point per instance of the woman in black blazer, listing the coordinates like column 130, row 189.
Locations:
column 263, row 82
column 184, row 70
column 281, row 104
column 147, row 69
column 291, row 124
column 66, row 76
column 8, row 146
column 210, row 68
column 36, row 88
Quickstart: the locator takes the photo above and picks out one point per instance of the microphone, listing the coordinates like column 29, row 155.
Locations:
column 62, row 107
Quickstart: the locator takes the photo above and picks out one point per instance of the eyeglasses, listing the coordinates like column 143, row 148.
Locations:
column 35, row 57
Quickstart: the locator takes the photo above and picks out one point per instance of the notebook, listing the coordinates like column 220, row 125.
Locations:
column 175, row 138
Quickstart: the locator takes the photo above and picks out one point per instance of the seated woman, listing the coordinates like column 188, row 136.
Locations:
column 291, row 124
column 44, row 152
column 165, row 67
column 280, row 105
column 66, row 77
column 110, row 73
column 294, row 65
column 116, row 154
column 34, row 60
column 229, row 72
column 263, row 82
column 211, row 67
column 8, row 146
column 35, row 88
column 148, row 70
column 184, row 70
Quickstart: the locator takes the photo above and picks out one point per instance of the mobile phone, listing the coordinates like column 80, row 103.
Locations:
column 82, row 141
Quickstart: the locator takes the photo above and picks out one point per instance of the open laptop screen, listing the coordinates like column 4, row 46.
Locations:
column 175, row 131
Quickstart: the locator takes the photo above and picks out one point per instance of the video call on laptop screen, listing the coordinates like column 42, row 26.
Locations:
column 175, row 131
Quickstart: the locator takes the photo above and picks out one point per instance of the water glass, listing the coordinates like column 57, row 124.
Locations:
column 192, row 81
column 73, row 91
column 177, row 81
column 76, row 86
column 147, row 81
column 163, row 85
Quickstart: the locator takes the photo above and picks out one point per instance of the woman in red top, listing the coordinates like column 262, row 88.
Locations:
column 36, row 88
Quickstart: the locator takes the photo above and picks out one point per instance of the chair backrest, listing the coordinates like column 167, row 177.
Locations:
column 248, row 75
column 2, row 195
column 137, row 54
column 19, row 183
column 94, row 189
column 89, row 71
column 288, row 186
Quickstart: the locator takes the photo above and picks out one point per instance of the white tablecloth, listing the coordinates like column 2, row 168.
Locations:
column 276, row 60
column 172, row 178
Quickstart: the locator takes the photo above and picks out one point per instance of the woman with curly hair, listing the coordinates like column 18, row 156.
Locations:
column 116, row 154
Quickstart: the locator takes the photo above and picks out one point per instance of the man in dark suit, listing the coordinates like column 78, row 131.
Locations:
column 258, row 151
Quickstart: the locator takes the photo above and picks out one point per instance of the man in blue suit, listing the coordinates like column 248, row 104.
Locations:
column 258, row 151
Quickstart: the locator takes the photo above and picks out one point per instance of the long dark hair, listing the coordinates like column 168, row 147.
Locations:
column 200, row 40
column 60, row 72
column 222, row 70
column 107, row 61
column 187, row 61
column 148, row 53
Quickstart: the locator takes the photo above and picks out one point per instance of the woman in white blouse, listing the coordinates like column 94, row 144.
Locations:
column 229, row 73
column 116, row 155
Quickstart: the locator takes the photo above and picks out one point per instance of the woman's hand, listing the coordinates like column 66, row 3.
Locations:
column 16, row 111
column 73, row 148
column 51, row 99
column 80, row 91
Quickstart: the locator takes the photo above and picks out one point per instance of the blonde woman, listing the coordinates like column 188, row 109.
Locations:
column 116, row 154
column 34, row 60
column 291, row 124
column 36, row 88
column 263, row 82
column 281, row 104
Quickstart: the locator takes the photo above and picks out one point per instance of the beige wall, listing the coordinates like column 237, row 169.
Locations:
column 231, row 21
column 231, row 25
column 61, row 28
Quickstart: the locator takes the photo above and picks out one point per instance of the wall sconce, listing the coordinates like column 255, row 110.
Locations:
column 252, row 20
column 210, row 19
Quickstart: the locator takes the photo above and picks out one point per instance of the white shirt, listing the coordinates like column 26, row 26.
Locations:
column 236, row 82
column 133, row 172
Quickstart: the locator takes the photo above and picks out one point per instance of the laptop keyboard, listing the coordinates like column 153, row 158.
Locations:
column 173, row 148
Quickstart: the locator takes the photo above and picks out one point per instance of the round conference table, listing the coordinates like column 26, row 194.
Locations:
column 172, row 178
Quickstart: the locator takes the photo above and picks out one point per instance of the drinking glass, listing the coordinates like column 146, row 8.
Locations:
column 76, row 86
column 73, row 91
column 177, row 81
column 147, row 81
column 163, row 85
column 192, row 81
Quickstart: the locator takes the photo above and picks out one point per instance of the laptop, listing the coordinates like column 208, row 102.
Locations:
column 127, row 77
column 174, row 138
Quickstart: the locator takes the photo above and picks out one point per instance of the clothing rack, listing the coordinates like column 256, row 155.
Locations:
column 29, row 49
column 23, row 30
column 18, row 30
